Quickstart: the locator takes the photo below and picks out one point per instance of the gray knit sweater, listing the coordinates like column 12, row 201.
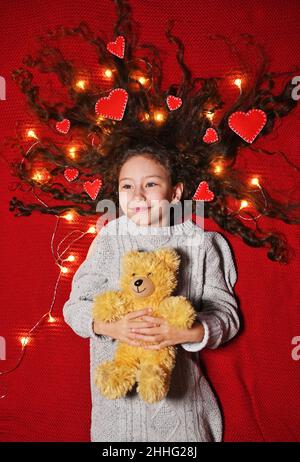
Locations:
column 207, row 275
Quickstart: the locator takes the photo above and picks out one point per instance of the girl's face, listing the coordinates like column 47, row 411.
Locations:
column 145, row 191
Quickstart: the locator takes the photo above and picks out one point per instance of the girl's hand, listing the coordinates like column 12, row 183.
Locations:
column 122, row 329
column 166, row 334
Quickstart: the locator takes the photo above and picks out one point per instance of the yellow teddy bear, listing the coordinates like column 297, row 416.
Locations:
column 147, row 280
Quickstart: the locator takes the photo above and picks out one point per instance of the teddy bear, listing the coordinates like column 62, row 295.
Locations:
column 147, row 279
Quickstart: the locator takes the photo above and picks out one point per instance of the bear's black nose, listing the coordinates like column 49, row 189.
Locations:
column 138, row 282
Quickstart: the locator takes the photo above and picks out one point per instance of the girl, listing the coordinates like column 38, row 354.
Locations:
column 207, row 277
column 183, row 145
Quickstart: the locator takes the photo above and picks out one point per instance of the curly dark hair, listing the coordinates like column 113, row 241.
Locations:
column 176, row 142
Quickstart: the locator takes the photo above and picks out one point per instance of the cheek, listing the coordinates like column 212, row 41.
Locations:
column 124, row 197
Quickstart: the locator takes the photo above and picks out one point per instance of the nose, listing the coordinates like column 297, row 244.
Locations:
column 138, row 282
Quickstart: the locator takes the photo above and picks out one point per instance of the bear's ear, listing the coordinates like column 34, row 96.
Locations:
column 170, row 257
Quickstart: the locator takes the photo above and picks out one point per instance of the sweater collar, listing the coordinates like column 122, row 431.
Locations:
column 126, row 224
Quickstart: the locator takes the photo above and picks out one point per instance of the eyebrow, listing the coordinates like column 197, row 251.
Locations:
column 148, row 176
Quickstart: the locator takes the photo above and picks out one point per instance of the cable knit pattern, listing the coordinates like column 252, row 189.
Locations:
column 207, row 276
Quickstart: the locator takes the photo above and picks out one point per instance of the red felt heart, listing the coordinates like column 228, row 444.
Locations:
column 92, row 187
column 63, row 126
column 247, row 124
column 211, row 136
column 203, row 193
column 71, row 174
column 112, row 106
column 173, row 102
column 117, row 47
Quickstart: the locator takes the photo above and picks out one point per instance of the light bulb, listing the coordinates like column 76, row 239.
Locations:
column 238, row 83
column 81, row 84
column 108, row 73
column 209, row 115
column 218, row 168
column 72, row 152
column 24, row 341
column 142, row 80
column 51, row 319
column 31, row 134
column 71, row 258
column 91, row 229
column 244, row 204
column 68, row 216
column 255, row 181
column 64, row 269
column 159, row 116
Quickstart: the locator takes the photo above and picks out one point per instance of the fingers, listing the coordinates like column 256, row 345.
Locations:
column 140, row 325
column 136, row 314
column 147, row 338
column 154, row 319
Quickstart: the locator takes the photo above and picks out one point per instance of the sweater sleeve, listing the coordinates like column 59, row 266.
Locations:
column 219, row 313
column 90, row 278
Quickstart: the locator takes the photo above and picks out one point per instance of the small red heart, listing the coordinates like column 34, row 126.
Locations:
column 112, row 106
column 203, row 193
column 71, row 174
column 247, row 124
column 63, row 126
column 211, row 136
column 117, row 47
column 173, row 102
column 92, row 188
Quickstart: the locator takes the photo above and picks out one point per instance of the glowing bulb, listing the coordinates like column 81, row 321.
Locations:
column 244, row 204
column 51, row 319
column 108, row 73
column 41, row 175
column 144, row 116
column 255, row 181
column 91, row 229
column 142, row 80
column 72, row 152
column 238, row 83
column 64, row 269
column 31, row 134
column 68, row 216
column 209, row 115
column 159, row 116
column 24, row 341
column 81, row 84
column 71, row 258
column 218, row 168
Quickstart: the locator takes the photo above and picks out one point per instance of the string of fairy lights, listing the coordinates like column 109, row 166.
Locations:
column 63, row 257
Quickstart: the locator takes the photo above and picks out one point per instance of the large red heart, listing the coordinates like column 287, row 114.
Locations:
column 112, row 106
column 203, row 193
column 247, row 124
column 211, row 136
column 117, row 47
column 71, row 174
column 173, row 102
column 63, row 126
column 92, row 188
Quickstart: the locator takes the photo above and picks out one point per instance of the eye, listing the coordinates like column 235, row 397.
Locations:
column 151, row 182
column 148, row 274
column 133, row 274
column 125, row 186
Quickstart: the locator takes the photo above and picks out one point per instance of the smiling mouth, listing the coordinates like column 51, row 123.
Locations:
column 140, row 209
column 139, row 291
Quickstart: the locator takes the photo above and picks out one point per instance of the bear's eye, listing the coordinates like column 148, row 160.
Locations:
column 148, row 274
column 133, row 274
